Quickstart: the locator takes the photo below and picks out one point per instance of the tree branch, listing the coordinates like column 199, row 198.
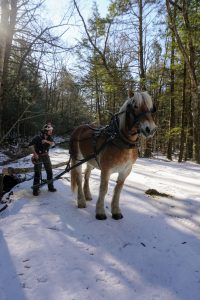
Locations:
column 102, row 54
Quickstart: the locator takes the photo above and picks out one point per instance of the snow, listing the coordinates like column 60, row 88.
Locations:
column 52, row 250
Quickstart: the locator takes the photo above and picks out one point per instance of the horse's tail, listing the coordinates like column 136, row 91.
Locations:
column 73, row 154
column 74, row 176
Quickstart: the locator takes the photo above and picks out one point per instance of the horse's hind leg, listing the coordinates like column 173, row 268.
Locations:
column 76, row 182
column 86, row 187
column 116, row 212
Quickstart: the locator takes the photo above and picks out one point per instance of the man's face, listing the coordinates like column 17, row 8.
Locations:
column 50, row 132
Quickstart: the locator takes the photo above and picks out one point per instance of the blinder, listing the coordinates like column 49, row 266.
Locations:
column 153, row 110
column 130, row 116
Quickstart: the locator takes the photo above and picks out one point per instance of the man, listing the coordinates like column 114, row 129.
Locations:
column 40, row 147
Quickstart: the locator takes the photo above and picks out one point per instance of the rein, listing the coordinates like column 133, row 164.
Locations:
column 69, row 168
column 113, row 135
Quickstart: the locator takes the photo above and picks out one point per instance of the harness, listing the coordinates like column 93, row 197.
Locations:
column 112, row 135
column 119, row 139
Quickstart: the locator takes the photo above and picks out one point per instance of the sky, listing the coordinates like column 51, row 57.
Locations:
column 52, row 250
column 57, row 8
column 64, row 7
column 54, row 12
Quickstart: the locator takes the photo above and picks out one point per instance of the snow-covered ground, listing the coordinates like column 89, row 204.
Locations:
column 51, row 250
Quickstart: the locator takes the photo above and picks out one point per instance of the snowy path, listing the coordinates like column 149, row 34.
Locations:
column 52, row 250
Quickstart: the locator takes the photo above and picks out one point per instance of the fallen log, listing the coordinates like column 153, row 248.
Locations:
column 29, row 169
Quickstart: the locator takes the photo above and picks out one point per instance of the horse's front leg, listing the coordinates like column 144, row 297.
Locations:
column 86, row 187
column 100, row 211
column 116, row 212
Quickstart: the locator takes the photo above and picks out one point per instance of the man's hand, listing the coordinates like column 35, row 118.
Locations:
column 48, row 142
column 45, row 141
column 35, row 156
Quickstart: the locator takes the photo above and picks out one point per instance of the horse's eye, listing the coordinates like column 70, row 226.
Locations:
column 136, row 106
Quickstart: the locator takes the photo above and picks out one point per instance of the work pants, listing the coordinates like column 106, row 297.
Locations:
column 44, row 159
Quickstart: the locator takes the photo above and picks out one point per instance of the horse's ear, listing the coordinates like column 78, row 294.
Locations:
column 130, row 93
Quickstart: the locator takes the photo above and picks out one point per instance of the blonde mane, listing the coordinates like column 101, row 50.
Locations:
column 138, row 98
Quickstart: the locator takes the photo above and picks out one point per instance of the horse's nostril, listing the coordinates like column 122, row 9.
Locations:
column 148, row 129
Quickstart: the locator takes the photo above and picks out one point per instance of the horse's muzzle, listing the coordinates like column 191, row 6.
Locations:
column 148, row 132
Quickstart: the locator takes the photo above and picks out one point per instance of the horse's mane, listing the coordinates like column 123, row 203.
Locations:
column 138, row 98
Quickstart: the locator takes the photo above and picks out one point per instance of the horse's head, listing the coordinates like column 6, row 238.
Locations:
column 138, row 115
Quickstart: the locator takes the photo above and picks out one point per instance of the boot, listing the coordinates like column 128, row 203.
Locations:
column 52, row 189
column 36, row 192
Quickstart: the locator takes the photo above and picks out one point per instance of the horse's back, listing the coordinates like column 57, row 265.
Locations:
column 81, row 141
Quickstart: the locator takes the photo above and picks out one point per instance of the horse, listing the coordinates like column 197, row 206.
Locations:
column 112, row 149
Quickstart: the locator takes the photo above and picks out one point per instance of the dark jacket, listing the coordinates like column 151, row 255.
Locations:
column 37, row 143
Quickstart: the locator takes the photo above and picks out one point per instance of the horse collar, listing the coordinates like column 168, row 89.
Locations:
column 119, row 139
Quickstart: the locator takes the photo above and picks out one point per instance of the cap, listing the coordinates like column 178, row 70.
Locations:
column 47, row 127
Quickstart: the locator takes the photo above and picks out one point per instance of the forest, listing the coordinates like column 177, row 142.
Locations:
column 46, row 75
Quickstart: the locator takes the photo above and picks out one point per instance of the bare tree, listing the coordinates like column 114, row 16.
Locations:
column 24, row 43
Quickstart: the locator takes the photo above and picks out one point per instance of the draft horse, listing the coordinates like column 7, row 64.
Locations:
column 112, row 149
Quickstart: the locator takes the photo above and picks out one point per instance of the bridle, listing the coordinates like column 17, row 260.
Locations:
column 134, row 120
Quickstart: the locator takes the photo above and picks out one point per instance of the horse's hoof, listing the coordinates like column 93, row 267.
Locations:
column 101, row 217
column 89, row 199
column 117, row 216
column 81, row 205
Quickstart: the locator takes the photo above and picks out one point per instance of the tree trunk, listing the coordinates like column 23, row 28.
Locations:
column 141, row 48
column 188, row 53
column 172, row 104
column 190, row 131
column 197, row 134
column 9, row 22
column 148, row 142
column 195, row 86
column 3, row 34
column 184, row 118
column 98, row 106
